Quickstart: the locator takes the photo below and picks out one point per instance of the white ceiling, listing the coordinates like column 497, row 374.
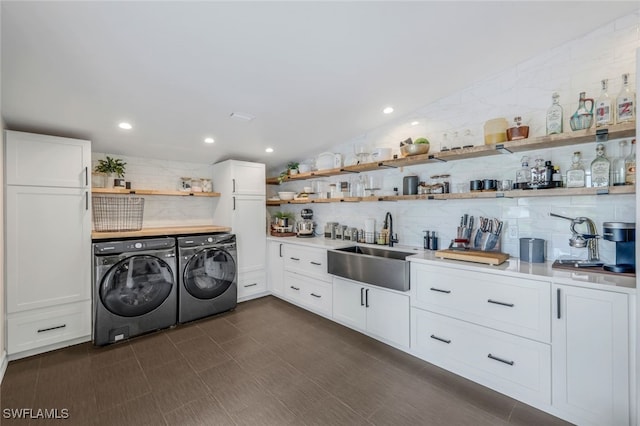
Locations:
column 314, row 74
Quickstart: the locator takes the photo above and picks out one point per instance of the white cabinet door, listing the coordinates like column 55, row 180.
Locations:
column 248, row 178
column 348, row 303
column 248, row 222
column 40, row 160
column 48, row 246
column 590, row 334
column 388, row 315
column 275, row 269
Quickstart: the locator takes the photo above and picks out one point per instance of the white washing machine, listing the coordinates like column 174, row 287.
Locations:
column 135, row 288
column 208, row 275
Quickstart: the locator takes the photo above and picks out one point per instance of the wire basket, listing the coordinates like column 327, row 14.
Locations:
column 117, row 213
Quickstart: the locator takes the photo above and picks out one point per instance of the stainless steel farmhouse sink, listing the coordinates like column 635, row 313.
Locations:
column 377, row 266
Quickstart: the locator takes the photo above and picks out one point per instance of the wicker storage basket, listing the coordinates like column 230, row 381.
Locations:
column 117, row 213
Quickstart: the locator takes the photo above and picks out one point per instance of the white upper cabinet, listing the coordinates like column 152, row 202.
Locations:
column 40, row 160
column 239, row 178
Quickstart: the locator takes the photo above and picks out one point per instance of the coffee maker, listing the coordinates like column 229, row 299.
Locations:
column 304, row 227
column 624, row 235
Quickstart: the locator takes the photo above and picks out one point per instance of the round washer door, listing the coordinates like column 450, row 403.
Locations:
column 209, row 273
column 136, row 285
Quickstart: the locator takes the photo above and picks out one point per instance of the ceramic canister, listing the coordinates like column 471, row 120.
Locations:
column 532, row 250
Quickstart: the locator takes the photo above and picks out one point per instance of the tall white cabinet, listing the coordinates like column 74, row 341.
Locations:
column 48, row 242
column 242, row 206
column 591, row 361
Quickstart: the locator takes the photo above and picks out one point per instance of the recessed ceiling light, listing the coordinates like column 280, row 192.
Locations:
column 269, row 150
column 209, row 140
column 415, row 123
column 125, row 126
column 387, row 110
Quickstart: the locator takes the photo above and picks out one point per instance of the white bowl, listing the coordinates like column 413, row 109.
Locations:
column 286, row 196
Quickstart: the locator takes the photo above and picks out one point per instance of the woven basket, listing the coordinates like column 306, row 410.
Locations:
column 117, row 213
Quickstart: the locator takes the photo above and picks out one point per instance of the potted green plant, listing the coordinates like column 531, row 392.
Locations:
column 282, row 218
column 292, row 169
column 111, row 167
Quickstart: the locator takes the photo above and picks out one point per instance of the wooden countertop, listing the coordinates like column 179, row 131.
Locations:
column 154, row 232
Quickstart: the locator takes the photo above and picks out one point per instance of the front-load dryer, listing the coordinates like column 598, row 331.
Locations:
column 135, row 288
column 208, row 275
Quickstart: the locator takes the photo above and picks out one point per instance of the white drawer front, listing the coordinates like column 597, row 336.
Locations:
column 317, row 295
column 515, row 305
column 306, row 260
column 309, row 293
column 250, row 283
column 41, row 327
column 293, row 287
column 507, row 363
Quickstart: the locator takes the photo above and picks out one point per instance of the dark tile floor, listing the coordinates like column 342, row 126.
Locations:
column 266, row 363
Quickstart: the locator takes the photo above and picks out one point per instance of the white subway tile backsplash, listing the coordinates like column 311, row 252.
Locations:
column 524, row 90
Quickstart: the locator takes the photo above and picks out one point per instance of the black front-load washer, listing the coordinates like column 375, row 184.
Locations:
column 207, row 271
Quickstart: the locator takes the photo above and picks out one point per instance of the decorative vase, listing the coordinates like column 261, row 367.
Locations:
column 583, row 117
column 98, row 180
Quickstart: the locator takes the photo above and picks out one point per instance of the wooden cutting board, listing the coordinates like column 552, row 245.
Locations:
column 478, row 256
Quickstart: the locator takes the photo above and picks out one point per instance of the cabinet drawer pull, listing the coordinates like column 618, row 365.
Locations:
column 316, row 295
column 295, row 288
column 42, row 330
column 251, row 285
column 315, row 263
column 294, row 258
column 280, row 249
column 500, row 359
column 233, row 181
column 447, row 341
column 361, row 296
column 495, row 302
column 440, row 290
column 86, row 176
column 366, row 298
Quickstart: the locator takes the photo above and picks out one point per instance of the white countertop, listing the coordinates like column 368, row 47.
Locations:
column 512, row 267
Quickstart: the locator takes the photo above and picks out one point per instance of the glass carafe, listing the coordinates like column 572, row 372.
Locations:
column 583, row 117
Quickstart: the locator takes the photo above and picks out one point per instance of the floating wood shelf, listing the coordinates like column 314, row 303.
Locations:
column 541, row 142
column 121, row 191
column 518, row 193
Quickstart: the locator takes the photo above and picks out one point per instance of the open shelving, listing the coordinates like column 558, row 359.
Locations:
column 541, row 142
column 122, row 191
column 518, row 193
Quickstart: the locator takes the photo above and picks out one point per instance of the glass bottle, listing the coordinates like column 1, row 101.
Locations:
column 523, row 176
column 630, row 165
column 575, row 174
column 556, row 178
column 604, row 110
column 538, row 172
column 583, row 117
column 625, row 102
column 618, row 169
column 554, row 116
column 600, row 167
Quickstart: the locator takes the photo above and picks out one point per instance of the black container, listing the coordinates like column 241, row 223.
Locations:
column 476, row 185
column 410, row 185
